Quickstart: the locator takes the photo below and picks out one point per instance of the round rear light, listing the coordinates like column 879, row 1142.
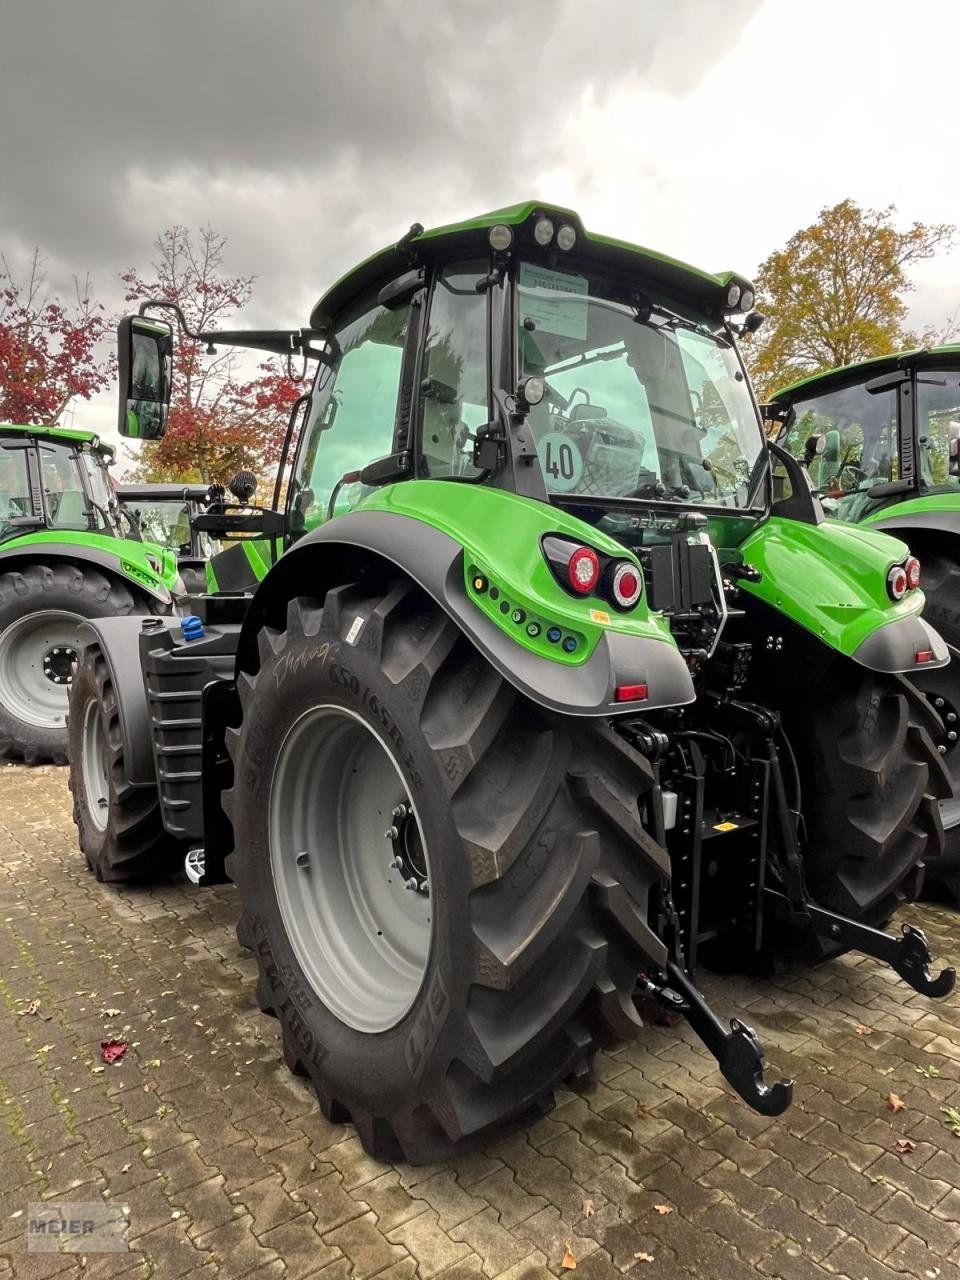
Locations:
column 626, row 585
column 583, row 570
column 912, row 569
column 897, row 582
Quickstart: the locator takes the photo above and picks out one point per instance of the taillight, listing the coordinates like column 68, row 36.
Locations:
column 626, row 585
column 631, row 693
column 583, row 570
column 911, row 567
column 897, row 582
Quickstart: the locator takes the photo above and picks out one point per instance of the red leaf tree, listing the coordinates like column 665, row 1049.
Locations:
column 50, row 350
column 218, row 423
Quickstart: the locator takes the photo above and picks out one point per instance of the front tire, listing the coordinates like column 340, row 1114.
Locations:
column 119, row 827
column 512, row 970
column 43, row 613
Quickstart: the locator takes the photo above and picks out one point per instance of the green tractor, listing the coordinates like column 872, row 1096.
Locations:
column 880, row 441
column 65, row 559
column 165, row 514
column 541, row 701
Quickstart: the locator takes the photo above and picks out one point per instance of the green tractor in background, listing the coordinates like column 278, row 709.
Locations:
column 65, row 558
column 880, row 441
column 536, row 698
column 165, row 514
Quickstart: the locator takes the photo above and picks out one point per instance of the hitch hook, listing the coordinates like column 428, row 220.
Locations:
column 912, row 962
column 738, row 1051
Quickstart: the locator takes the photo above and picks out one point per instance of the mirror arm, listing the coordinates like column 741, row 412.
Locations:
column 280, row 342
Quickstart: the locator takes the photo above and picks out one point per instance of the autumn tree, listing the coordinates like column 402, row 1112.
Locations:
column 835, row 293
column 220, row 421
column 50, row 349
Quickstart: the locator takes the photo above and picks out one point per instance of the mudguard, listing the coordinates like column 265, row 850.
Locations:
column 124, row 559
column 831, row 579
column 498, row 543
column 119, row 639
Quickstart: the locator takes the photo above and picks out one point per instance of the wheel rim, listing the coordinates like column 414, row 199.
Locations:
column 95, row 780
column 37, row 653
column 350, row 867
column 941, row 688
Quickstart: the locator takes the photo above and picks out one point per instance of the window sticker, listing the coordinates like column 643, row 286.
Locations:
column 561, row 460
column 554, row 300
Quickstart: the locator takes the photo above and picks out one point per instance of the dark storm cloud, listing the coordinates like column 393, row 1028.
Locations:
column 308, row 133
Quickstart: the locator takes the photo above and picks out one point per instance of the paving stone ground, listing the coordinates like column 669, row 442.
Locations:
column 224, row 1166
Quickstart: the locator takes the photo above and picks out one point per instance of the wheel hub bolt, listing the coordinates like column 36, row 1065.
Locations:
column 391, row 833
column 411, row 884
column 952, row 735
column 303, row 859
column 396, row 864
column 942, row 749
column 399, row 812
column 951, row 716
column 938, row 702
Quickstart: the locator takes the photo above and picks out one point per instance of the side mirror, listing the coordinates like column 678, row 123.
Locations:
column 145, row 364
column 814, row 445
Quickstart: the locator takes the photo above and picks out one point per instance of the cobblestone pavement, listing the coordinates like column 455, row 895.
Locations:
column 226, row 1167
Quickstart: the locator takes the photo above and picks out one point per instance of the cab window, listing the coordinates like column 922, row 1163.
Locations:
column 453, row 388
column 63, row 493
column 352, row 415
column 938, row 413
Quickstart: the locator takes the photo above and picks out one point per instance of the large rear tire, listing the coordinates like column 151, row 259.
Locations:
column 430, row 1015
column 43, row 613
column 119, row 827
column 868, row 765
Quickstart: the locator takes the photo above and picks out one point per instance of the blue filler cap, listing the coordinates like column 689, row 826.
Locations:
column 192, row 627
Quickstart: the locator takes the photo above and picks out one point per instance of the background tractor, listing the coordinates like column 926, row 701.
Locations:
column 164, row 514
column 64, row 560
column 881, row 443
column 542, row 699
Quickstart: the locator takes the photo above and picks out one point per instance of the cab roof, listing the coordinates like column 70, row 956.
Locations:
column 470, row 237
column 72, row 435
column 849, row 374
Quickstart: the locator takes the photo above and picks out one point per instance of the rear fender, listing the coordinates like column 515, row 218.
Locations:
column 614, row 651
column 831, row 579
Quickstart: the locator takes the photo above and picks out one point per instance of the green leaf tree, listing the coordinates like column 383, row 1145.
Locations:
column 834, row 294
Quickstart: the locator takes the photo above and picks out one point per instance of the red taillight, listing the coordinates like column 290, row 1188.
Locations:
column 626, row 584
column 923, row 655
column 631, row 693
column 911, row 567
column 897, row 582
column 583, row 570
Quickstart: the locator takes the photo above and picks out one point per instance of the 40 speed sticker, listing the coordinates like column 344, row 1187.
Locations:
column 561, row 460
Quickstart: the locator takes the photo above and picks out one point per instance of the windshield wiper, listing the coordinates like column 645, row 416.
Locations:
column 645, row 311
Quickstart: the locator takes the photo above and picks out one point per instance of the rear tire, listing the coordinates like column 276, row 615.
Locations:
column 530, row 827
column 42, row 614
column 867, row 764
column 119, row 827
column 941, row 688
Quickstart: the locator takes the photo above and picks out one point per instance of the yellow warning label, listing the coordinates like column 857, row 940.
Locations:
column 726, row 826
column 598, row 615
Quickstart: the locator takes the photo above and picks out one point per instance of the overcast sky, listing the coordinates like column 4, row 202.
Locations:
column 313, row 134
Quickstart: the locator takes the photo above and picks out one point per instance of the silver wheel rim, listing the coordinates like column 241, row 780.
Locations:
column 345, row 844
column 95, row 782
column 36, row 656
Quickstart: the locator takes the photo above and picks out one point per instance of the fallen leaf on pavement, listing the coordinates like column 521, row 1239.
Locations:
column 905, row 1146
column 864, row 1031
column 643, row 1257
column 113, row 1050
column 569, row 1261
column 588, row 1209
column 111, row 1013
column 953, row 1119
column 930, row 1072
column 32, row 1008
column 663, row 1209
column 895, row 1103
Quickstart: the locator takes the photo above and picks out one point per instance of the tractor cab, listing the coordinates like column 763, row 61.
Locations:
column 875, row 435
column 55, row 478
